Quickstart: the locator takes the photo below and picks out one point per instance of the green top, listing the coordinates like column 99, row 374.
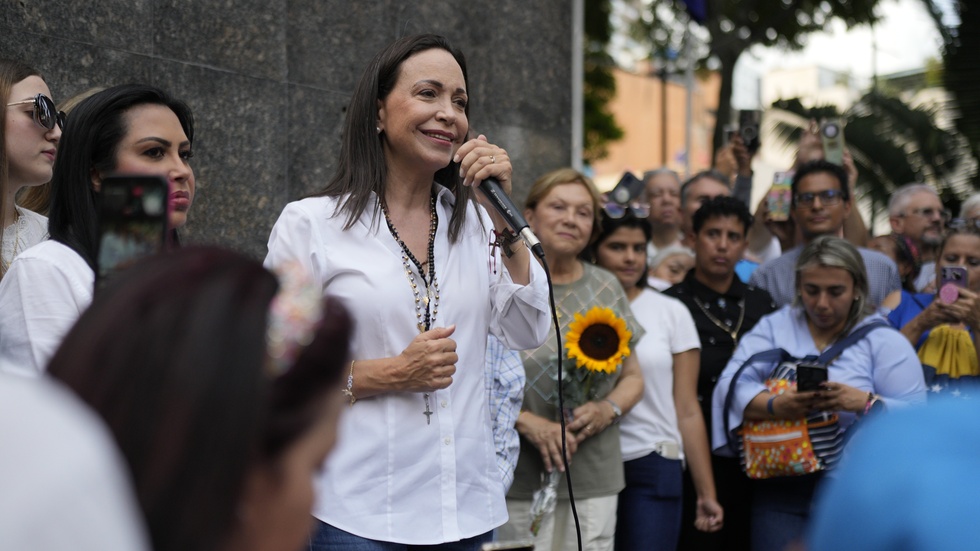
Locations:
column 597, row 465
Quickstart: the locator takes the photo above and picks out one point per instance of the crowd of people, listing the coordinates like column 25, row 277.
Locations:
column 390, row 377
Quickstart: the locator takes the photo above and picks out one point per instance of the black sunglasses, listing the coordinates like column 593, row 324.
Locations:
column 46, row 114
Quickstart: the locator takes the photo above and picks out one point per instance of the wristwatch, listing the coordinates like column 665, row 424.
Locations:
column 617, row 413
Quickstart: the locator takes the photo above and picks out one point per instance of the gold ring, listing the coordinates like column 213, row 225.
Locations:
column 492, row 159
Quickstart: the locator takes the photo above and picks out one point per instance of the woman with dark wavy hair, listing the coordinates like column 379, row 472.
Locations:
column 129, row 129
column 221, row 386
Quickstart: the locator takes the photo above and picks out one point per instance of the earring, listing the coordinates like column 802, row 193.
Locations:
column 378, row 129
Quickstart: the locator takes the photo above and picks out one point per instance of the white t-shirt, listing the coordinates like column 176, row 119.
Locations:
column 669, row 330
column 45, row 290
column 65, row 487
column 392, row 477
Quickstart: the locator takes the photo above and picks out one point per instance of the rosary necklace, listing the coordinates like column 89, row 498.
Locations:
column 726, row 327
column 426, row 305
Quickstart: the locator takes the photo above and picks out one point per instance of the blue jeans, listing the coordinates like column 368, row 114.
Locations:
column 781, row 510
column 649, row 511
column 329, row 538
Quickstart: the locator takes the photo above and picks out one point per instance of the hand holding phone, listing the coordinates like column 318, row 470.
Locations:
column 951, row 280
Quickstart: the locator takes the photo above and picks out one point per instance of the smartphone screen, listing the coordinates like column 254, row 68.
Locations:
column 132, row 221
column 809, row 376
column 951, row 279
column 749, row 121
column 780, row 196
column 832, row 137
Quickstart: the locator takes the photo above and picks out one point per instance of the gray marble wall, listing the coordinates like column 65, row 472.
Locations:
column 269, row 82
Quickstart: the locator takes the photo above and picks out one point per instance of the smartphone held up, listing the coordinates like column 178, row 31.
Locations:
column 780, row 196
column 133, row 214
column 832, row 138
column 951, row 280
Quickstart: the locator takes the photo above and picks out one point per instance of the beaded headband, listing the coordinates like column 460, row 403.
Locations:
column 293, row 315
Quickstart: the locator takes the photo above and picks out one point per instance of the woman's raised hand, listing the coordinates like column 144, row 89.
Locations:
column 478, row 160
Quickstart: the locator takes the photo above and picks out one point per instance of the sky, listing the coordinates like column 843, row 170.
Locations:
column 906, row 37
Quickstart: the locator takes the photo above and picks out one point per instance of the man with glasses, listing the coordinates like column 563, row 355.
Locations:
column 915, row 211
column 820, row 205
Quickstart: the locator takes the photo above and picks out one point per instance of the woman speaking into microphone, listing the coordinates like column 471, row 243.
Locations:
column 426, row 272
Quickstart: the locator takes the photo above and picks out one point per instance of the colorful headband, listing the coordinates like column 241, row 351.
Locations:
column 293, row 315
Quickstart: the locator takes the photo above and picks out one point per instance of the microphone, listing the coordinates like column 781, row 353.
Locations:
column 500, row 201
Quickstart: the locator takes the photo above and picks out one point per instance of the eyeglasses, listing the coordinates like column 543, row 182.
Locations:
column 828, row 197
column 46, row 114
column 618, row 210
column 961, row 224
column 929, row 212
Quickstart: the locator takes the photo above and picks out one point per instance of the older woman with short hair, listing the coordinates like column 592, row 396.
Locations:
column 563, row 208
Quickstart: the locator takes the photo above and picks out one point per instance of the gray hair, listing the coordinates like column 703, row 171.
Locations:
column 902, row 196
column 971, row 203
column 834, row 252
column 662, row 170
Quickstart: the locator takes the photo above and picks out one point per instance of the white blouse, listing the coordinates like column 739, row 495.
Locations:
column 392, row 477
column 43, row 293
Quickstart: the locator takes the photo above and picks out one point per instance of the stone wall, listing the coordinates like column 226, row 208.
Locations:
column 269, row 82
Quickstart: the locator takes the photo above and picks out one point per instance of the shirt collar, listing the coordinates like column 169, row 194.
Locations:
column 735, row 291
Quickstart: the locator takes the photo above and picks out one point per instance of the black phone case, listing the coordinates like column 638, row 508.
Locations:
column 809, row 376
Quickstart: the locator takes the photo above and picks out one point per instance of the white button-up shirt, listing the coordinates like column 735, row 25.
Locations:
column 392, row 477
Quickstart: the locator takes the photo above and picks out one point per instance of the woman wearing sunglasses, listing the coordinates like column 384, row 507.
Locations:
column 129, row 129
column 28, row 145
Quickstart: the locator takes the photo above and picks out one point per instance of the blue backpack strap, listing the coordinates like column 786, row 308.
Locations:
column 837, row 349
column 776, row 355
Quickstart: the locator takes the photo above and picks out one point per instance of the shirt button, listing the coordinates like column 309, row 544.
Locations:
column 444, row 403
column 448, row 441
column 711, row 340
column 714, row 379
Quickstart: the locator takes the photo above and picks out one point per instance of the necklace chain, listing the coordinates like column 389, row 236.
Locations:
column 732, row 332
column 426, row 306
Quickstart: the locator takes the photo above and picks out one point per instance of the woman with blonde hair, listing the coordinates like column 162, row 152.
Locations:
column 562, row 209
column 29, row 139
column 879, row 370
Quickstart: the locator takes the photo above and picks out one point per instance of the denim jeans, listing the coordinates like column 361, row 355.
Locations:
column 781, row 510
column 649, row 512
column 329, row 538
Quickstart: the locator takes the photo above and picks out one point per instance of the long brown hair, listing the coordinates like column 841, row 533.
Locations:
column 361, row 167
column 11, row 72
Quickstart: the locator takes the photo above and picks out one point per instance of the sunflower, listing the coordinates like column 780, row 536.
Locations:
column 598, row 341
